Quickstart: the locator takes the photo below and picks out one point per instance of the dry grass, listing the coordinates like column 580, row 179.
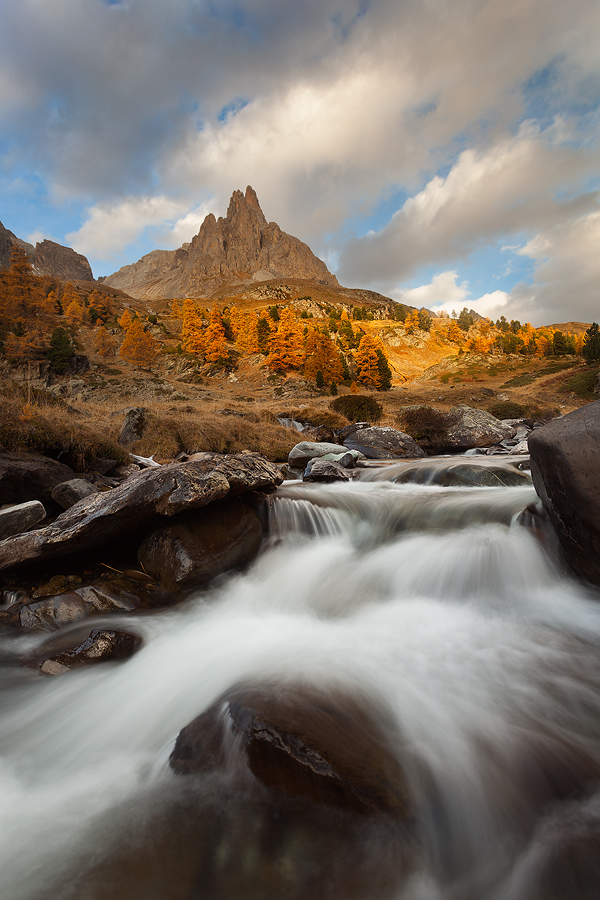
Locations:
column 37, row 422
column 316, row 416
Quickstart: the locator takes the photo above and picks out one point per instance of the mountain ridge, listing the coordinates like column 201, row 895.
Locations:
column 47, row 258
column 241, row 248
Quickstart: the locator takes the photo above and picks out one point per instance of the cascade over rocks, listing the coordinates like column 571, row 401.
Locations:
column 565, row 462
column 202, row 544
column 242, row 246
column 332, row 748
column 378, row 442
column 135, row 505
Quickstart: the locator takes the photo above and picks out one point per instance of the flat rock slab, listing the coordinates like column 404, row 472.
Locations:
column 306, row 450
column 565, row 462
column 136, row 504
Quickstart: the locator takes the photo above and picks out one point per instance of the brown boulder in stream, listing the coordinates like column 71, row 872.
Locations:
column 201, row 544
column 565, row 461
column 333, row 749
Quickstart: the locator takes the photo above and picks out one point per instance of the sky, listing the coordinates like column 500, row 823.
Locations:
column 442, row 152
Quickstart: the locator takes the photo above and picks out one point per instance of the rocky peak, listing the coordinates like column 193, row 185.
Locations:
column 242, row 246
column 47, row 258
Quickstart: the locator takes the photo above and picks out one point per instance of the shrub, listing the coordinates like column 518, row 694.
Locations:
column 583, row 384
column 358, row 407
column 507, row 409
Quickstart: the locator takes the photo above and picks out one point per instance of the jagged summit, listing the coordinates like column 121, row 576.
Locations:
column 47, row 258
column 241, row 247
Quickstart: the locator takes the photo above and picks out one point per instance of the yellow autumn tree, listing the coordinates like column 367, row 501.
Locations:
column 125, row 320
column 366, row 361
column 247, row 336
column 175, row 310
column 139, row 347
column 104, row 341
column 286, row 344
column 321, row 355
column 26, row 315
column 235, row 321
column 215, row 342
column 74, row 313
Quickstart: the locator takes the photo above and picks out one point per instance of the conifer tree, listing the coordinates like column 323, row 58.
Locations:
column 367, row 363
column 286, row 345
column 320, row 354
column 26, row 314
column 125, row 320
column 214, row 339
column 139, row 347
column 247, row 340
column 385, row 373
column 591, row 344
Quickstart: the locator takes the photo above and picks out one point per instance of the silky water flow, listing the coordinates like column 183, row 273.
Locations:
column 436, row 604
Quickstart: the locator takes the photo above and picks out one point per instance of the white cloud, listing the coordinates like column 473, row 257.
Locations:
column 442, row 293
column 112, row 226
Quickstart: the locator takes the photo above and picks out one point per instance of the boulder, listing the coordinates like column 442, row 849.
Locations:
column 137, row 504
column 55, row 612
column 201, row 544
column 24, row 478
column 70, row 492
column 134, row 425
column 325, row 470
column 21, row 517
column 378, row 442
column 98, row 646
column 300, row 455
column 351, row 429
column 474, row 428
column 333, row 749
column 565, row 461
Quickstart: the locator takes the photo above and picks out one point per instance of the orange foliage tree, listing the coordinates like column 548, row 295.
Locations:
column 321, row 355
column 367, row 363
column 139, row 347
column 27, row 314
column 247, row 336
column 214, row 338
column 287, row 344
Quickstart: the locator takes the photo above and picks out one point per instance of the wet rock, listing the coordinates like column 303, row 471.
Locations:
column 303, row 452
column 55, row 585
column 138, row 504
column 134, row 425
column 24, row 478
column 377, row 442
column 326, row 470
column 465, row 475
column 21, row 517
column 115, row 595
column 474, row 428
column 565, row 461
column 333, row 749
column 52, row 613
column 202, row 544
column 99, row 646
column 70, row 492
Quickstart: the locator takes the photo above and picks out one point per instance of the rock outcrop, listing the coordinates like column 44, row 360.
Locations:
column 138, row 504
column 565, row 461
column 377, row 442
column 47, row 258
column 243, row 246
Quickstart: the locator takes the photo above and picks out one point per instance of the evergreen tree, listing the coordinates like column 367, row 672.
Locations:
column 385, row 373
column 320, row 380
column 591, row 344
column 61, row 350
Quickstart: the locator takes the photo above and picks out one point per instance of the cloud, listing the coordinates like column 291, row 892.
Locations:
column 442, row 293
column 112, row 226
column 510, row 187
column 567, row 274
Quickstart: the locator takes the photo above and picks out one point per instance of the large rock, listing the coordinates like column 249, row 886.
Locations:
column 202, row 544
column 58, row 611
column 473, row 428
column 565, row 467
column 134, row 425
column 68, row 493
column 335, row 749
column 378, row 442
column 19, row 518
column 326, row 470
column 24, row 478
column 242, row 245
column 135, row 506
column 303, row 452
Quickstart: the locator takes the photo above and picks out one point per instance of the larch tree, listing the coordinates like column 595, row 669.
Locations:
column 27, row 317
column 321, row 355
column 125, row 320
column 286, row 344
column 139, row 347
column 247, row 338
column 366, row 361
column 215, row 342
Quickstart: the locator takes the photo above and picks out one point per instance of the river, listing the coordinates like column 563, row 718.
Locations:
column 432, row 600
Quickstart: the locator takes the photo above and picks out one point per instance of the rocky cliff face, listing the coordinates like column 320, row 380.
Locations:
column 243, row 247
column 47, row 258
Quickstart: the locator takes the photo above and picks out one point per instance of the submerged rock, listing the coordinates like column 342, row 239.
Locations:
column 202, row 544
column 99, row 646
column 565, row 462
column 334, row 749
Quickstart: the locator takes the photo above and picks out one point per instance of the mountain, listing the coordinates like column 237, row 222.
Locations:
column 47, row 258
column 240, row 248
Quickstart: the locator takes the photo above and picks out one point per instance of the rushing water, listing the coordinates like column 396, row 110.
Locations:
column 434, row 602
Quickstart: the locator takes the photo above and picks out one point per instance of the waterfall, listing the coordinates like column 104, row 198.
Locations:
column 433, row 601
